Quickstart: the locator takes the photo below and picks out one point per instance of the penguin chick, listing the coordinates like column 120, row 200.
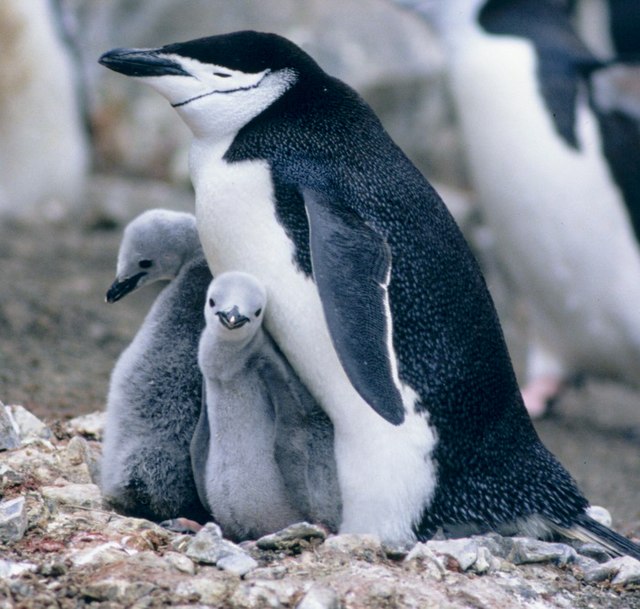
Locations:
column 154, row 395
column 263, row 449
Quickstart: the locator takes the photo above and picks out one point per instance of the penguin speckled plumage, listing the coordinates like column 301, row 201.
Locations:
column 374, row 296
column 155, row 390
column 553, row 145
column 271, row 463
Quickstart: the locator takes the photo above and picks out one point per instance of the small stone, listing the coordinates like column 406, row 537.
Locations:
column 74, row 495
column 430, row 562
column 238, row 564
column 526, row 550
column 207, row 591
column 319, row 597
column 118, row 590
column 208, row 546
column 628, row 571
column 76, row 450
column 600, row 514
column 13, row 520
column 9, row 433
column 366, row 546
column 594, row 551
column 8, row 568
column 180, row 562
column 88, row 425
column 104, row 554
column 10, row 477
column 292, row 538
column 464, row 551
column 258, row 594
column 29, row 426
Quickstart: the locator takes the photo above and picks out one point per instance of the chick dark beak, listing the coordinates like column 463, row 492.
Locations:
column 119, row 289
column 232, row 319
column 141, row 62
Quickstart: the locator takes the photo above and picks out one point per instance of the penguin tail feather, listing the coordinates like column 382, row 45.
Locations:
column 588, row 530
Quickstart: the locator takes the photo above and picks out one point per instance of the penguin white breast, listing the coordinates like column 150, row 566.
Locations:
column 239, row 230
column 559, row 219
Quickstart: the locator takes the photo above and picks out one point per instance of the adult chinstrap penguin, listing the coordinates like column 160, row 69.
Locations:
column 374, row 296
column 262, row 451
column 155, row 389
column 552, row 137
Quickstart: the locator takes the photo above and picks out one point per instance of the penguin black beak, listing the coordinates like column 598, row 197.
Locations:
column 232, row 319
column 119, row 289
column 141, row 62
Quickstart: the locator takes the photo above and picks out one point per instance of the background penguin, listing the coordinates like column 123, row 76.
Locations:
column 374, row 296
column 155, row 390
column 553, row 146
column 272, row 461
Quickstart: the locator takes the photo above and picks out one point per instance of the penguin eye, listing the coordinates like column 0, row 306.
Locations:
column 212, row 302
column 221, row 74
column 258, row 312
column 145, row 264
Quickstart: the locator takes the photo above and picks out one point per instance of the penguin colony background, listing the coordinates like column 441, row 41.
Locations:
column 374, row 298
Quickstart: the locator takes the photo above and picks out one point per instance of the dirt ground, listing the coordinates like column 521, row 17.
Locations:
column 59, row 341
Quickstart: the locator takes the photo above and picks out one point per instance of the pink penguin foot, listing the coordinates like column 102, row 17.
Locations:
column 538, row 393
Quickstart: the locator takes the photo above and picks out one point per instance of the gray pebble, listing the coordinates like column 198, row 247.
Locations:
column 13, row 520
column 209, row 547
column 292, row 537
column 9, row 438
column 319, row 597
column 238, row 564
column 527, row 550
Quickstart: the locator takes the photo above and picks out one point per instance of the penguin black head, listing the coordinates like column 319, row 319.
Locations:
column 217, row 83
column 234, row 306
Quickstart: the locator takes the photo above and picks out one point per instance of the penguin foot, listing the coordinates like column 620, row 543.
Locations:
column 181, row 525
column 539, row 393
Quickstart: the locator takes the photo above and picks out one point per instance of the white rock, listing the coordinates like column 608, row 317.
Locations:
column 73, row 495
column 13, row 520
column 180, row 562
column 350, row 543
column 88, row 425
column 628, row 571
column 464, row 551
column 209, row 591
column 29, row 426
column 209, row 547
column 238, row 564
column 9, row 568
column 104, row 554
column 600, row 514
column 319, row 597
column 9, row 432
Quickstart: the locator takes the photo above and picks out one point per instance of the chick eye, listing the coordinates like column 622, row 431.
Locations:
column 258, row 312
column 221, row 74
column 145, row 264
column 212, row 302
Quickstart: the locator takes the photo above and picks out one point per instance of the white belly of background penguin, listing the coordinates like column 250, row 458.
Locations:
column 258, row 424
column 558, row 175
column 155, row 390
column 375, row 298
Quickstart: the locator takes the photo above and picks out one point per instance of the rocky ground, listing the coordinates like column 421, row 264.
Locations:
column 61, row 547
column 58, row 343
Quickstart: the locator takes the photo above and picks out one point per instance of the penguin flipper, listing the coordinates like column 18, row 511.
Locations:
column 352, row 267
column 588, row 530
